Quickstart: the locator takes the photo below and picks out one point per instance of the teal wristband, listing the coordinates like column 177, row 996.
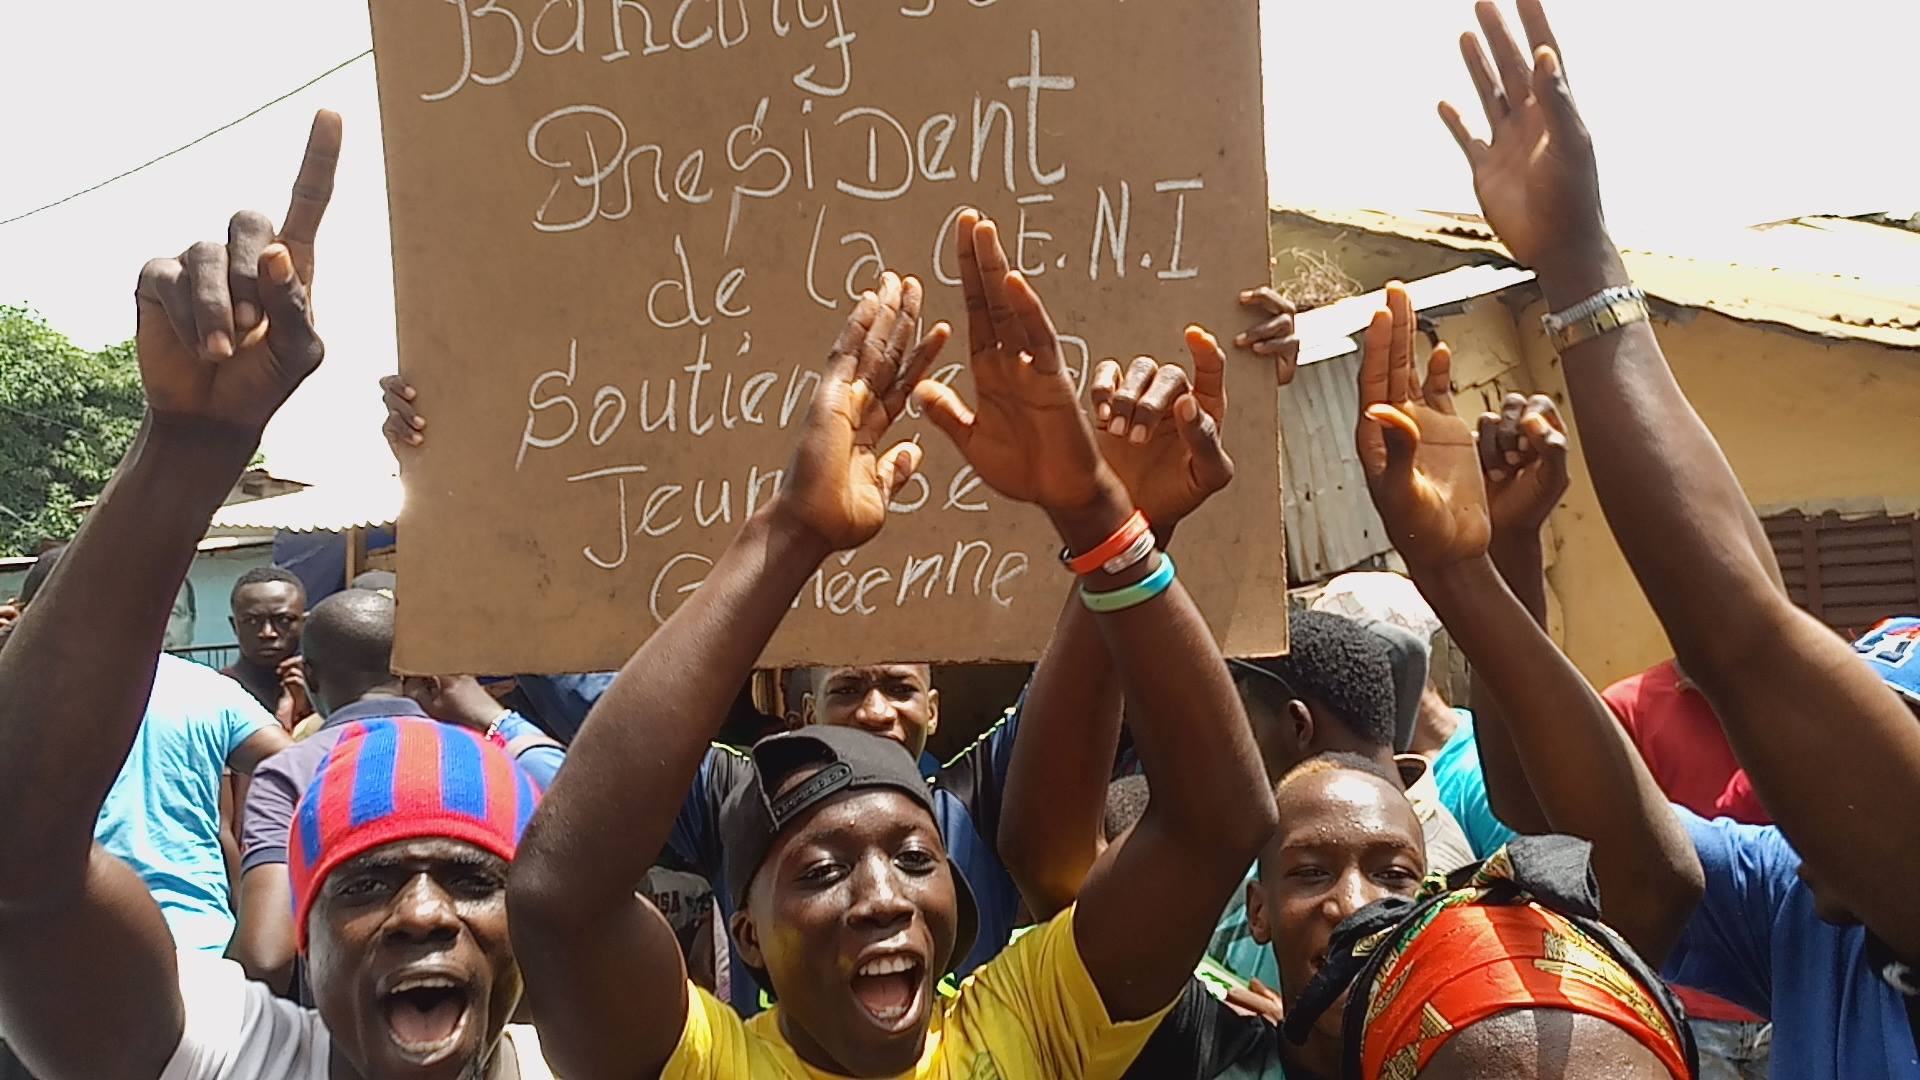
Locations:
column 1106, row 603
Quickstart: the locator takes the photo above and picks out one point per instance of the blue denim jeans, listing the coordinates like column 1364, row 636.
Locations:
column 1733, row 1049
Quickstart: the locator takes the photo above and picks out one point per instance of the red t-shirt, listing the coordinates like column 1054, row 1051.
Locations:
column 1680, row 739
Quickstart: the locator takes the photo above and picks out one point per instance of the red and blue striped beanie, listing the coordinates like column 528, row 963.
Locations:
column 403, row 779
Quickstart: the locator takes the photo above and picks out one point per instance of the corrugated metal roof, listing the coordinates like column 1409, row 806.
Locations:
column 1331, row 523
column 1870, row 302
column 209, row 545
column 1327, row 332
column 333, row 507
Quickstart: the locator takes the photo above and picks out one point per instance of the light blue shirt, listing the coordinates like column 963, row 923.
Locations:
column 1463, row 790
column 162, row 816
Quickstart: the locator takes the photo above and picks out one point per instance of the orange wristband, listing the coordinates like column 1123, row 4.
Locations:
column 1111, row 548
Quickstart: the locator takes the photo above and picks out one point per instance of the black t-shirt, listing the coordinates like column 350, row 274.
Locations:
column 1204, row 1039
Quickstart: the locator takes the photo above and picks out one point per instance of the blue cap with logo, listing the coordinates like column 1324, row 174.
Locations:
column 1891, row 649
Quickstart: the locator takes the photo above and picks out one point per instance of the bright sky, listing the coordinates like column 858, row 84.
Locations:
column 1708, row 116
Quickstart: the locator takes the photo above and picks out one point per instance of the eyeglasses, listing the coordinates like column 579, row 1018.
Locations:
column 1247, row 667
column 283, row 622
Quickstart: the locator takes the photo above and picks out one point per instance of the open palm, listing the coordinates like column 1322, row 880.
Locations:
column 1422, row 467
column 1536, row 178
column 1026, row 435
column 841, row 482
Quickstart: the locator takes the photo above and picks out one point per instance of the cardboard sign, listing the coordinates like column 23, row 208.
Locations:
column 625, row 233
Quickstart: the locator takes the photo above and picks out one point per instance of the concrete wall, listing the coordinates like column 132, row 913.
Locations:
column 1804, row 422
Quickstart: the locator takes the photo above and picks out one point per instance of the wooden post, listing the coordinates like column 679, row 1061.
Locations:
column 356, row 553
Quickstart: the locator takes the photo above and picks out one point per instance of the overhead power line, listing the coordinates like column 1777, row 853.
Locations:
column 250, row 114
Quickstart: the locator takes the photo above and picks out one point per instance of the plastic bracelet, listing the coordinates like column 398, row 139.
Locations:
column 1133, row 556
column 1106, row 603
column 1111, row 548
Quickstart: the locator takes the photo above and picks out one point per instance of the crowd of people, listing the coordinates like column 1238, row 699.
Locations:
column 1159, row 863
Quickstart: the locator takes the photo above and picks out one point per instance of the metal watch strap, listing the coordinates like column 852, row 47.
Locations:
column 1602, row 313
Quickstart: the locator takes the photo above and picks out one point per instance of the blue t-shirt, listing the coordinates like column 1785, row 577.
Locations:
column 162, row 815
column 1463, row 790
column 966, row 806
column 542, row 761
column 562, row 702
column 1756, row 941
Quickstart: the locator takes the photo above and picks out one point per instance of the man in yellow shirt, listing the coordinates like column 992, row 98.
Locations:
column 847, row 900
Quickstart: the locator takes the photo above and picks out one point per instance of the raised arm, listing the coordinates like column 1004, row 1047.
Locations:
column 1838, row 787
column 604, row 967
column 1523, row 459
column 1050, row 824
column 1144, row 917
column 224, row 337
column 1424, row 474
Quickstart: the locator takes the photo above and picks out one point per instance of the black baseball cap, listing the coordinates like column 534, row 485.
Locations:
column 845, row 760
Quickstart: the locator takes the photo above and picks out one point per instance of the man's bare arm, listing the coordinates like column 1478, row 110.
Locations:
column 604, row 968
column 80, row 937
column 1144, row 916
column 1424, row 474
column 1838, row 786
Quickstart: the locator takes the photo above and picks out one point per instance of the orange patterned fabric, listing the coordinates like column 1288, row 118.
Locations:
column 1475, row 961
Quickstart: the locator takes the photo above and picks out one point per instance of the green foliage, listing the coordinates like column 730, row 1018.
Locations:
column 66, row 417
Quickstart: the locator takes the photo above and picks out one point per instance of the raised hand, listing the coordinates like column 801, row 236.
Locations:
column 1026, row 436
column 226, row 330
column 840, row 482
column 1419, row 457
column 1275, row 334
column 1536, row 179
column 404, row 426
column 1523, row 456
column 1161, row 432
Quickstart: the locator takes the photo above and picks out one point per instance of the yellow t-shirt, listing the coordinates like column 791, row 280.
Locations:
column 1031, row 1013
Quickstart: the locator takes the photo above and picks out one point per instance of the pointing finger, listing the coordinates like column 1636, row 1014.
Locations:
column 312, row 191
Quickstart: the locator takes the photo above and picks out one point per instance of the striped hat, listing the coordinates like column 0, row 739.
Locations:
column 403, row 779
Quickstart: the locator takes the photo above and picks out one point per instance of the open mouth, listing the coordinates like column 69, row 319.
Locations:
column 427, row 1016
column 890, row 989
